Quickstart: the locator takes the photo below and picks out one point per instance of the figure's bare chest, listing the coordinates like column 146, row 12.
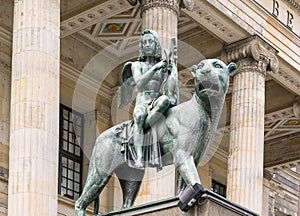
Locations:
column 157, row 76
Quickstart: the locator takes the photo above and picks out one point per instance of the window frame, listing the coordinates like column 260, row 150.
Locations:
column 68, row 155
column 215, row 183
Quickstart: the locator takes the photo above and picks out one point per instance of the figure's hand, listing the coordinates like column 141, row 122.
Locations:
column 161, row 64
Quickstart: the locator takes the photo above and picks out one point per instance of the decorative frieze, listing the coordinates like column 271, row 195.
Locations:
column 294, row 3
column 205, row 14
column 256, row 49
column 288, row 77
column 92, row 16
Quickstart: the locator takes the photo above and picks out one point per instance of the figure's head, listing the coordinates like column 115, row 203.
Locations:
column 149, row 45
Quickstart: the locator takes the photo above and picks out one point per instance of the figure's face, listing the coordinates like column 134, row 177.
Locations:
column 148, row 45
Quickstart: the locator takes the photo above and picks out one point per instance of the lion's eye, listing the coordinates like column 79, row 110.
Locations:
column 200, row 66
column 217, row 65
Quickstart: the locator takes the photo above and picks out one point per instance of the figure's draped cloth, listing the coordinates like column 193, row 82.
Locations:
column 151, row 148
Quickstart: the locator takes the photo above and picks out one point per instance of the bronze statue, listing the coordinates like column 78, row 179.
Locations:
column 184, row 137
column 157, row 91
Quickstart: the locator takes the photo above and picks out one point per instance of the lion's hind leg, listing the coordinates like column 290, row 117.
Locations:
column 95, row 182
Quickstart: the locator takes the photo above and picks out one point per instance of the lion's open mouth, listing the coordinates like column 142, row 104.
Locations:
column 207, row 86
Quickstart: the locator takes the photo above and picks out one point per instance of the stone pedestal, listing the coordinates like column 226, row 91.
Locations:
column 245, row 167
column 34, row 132
column 210, row 204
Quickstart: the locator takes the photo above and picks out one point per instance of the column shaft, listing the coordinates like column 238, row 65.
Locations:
column 162, row 20
column 245, row 175
column 34, row 133
column 160, row 16
column 246, row 152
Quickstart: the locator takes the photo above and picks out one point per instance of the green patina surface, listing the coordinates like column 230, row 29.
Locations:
column 183, row 132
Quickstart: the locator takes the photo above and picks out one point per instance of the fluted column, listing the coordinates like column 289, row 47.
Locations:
column 33, row 157
column 245, row 166
column 162, row 16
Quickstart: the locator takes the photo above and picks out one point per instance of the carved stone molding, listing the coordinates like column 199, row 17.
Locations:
column 92, row 16
column 254, row 48
column 294, row 3
column 249, row 64
column 174, row 5
column 288, row 77
column 171, row 4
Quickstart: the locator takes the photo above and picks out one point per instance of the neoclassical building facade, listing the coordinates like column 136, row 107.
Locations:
column 60, row 64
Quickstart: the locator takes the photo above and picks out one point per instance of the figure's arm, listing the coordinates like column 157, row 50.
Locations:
column 141, row 79
column 171, row 88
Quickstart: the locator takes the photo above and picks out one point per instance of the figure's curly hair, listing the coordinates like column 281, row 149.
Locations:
column 158, row 55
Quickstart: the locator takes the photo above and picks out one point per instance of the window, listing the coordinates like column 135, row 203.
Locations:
column 70, row 153
column 219, row 188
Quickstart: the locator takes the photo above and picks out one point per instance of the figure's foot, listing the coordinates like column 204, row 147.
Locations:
column 139, row 163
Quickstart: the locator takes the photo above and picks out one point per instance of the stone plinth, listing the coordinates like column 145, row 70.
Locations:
column 210, row 204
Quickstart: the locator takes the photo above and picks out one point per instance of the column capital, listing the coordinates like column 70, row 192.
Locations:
column 174, row 5
column 254, row 48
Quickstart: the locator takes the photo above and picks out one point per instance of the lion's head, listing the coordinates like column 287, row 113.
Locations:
column 211, row 77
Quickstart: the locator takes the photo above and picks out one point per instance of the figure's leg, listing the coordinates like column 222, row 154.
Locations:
column 130, row 180
column 94, row 184
column 159, row 108
column 139, row 116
